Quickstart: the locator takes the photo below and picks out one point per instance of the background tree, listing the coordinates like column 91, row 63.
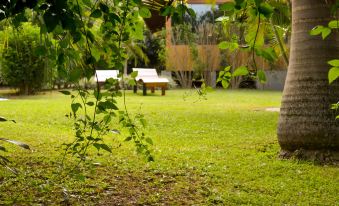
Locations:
column 22, row 67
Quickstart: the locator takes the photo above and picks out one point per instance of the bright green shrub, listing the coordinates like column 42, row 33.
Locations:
column 21, row 65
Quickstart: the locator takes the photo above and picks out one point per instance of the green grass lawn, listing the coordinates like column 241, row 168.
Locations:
column 219, row 151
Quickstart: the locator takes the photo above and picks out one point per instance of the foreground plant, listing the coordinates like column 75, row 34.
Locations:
column 4, row 161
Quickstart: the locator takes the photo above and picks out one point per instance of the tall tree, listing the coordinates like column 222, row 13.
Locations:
column 307, row 127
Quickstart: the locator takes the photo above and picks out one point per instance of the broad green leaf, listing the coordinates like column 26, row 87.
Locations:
column 149, row 141
column 97, row 146
column 129, row 138
column 105, row 147
column 267, row 53
column 225, row 83
column 63, row 43
column 265, row 9
column 2, row 148
column 90, row 104
column 325, row 32
column 167, row 10
column 65, row 92
column 228, row 45
column 316, row 30
column 240, row 71
column 333, row 74
column 145, row 12
column 334, row 24
column 261, row 76
column 191, row 12
column 76, row 37
column 334, row 62
column 95, row 53
column 96, row 13
column 228, row 68
column 75, row 107
column 75, row 75
column 103, row 7
column 134, row 74
column 50, row 21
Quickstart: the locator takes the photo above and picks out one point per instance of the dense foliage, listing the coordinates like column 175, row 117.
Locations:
column 22, row 67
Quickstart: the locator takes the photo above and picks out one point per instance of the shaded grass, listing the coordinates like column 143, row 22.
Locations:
column 222, row 150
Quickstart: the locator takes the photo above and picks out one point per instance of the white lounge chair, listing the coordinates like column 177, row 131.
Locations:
column 106, row 74
column 148, row 78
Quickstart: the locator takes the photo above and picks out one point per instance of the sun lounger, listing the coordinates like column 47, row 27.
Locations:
column 106, row 74
column 148, row 78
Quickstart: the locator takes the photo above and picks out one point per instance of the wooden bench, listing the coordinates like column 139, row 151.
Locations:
column 148, row 78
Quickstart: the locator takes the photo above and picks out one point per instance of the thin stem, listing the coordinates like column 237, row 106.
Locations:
column 276, row 33
column 253, row 49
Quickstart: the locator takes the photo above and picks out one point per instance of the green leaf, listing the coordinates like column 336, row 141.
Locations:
column 75, row 75
column 76, row 37
column 228, row 68
column 240, row 71
column 225, row 83
column 2, row 148
column 90, row 104
column 128, row 139
column 261, row 76
column 50, row 21
column 97, row 146
column 167, row 10
column 134, row 74
column 334, row 24
column 316, row 30
column 228, row 45
column 75, row 107
column 149, row 141
column 3, row 119
column 96, row 53
column 265, row 9
column 334, row 62
column 325, row 32
column 105, row 147
column 144, row 12
column 104, row 8
column 333, row 74
column 229, row 6
column 267, row 53
column 96, row 13
column 20, row 144
column 65, row 92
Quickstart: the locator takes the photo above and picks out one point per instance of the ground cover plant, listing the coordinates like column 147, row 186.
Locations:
column 222, row 150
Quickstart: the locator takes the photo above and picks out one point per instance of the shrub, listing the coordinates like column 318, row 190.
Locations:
column 21, row 65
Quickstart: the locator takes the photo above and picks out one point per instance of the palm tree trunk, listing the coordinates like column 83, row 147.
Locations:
column 306, row 122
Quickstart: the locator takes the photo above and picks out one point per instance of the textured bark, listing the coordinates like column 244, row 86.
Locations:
column 306, row 122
